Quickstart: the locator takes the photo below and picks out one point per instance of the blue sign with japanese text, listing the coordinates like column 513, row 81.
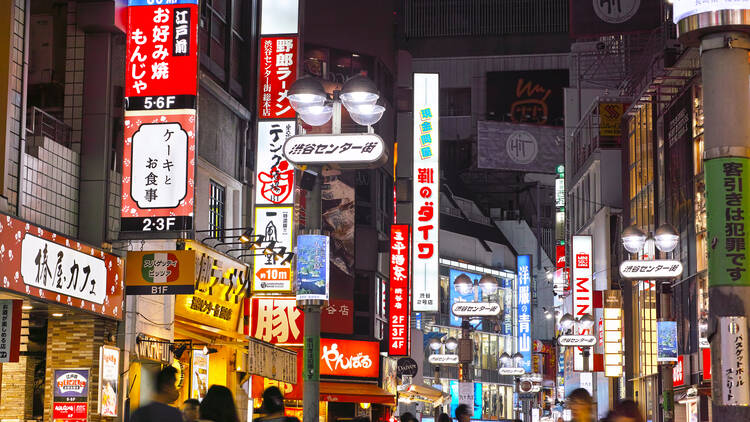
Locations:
column 523, row 303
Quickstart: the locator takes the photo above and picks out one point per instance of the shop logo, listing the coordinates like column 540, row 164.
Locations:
column 582, row 260
column 616, row 11
column 71, row 383
column 335, row 360
column 521, row 147
column 160, row 268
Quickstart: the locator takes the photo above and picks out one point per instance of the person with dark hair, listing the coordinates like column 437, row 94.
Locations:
column 218, row 405
column 166, row 392
column 581, row 405
column 190, row 410
column 273, row 406
column 443, row 417
column 407, row 417
column 625, row 411
column 462, row 413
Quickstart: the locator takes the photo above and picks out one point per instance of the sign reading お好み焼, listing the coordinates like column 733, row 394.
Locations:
column 426, row 212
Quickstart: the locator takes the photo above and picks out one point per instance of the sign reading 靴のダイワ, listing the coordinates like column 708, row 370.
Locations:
column 426, row 174
column 524, row 310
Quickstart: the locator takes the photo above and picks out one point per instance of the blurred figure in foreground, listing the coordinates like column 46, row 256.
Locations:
column 190, row 410
column 166, row 392
column 581, row 405
column 218, row 405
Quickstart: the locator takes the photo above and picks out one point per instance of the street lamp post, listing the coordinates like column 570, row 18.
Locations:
column 315, row 107
column 464, row 285
column 665, row 239
column 585, row 322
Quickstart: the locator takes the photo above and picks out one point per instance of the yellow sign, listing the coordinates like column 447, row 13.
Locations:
column 610, row 119
column 160, row 273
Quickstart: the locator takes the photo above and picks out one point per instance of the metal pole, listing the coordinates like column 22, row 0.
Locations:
column 726, row 104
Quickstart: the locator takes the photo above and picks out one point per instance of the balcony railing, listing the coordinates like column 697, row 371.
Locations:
column 40, row 123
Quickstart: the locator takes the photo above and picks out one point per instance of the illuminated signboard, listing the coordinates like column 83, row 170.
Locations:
column 109, row 380
column 583, row 286
column 10, row 330
column 276, row 320
column 276, row 225
column 278, row 71
column 398, row 298
column 559, row 193
column 426, row 208
column 524, row 310
column 313, row 259
column 160, row 89
column 160, row 272
column 613, row 359
column 349, row 358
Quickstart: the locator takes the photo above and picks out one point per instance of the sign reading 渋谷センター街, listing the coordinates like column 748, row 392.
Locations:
column 10, row 330
column 354, row 151
column 160, row 272
column 426, row 212
column 160, row 88
column 276, row 320
column 48, row 266
column 274, row 174
column 727, row 207
column 398, row 299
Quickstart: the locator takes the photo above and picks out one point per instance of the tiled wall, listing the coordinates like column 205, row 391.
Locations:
column 113, row 222
column 51, row 185
column 15, row 106
column 73, row 106
column 17, row 389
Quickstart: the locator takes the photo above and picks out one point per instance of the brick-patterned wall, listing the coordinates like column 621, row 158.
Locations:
column 73, row 342
column 17, row 389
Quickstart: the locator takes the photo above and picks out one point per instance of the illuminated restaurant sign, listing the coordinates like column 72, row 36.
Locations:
column 276, row 320
column 349, row 358
column 398, row 298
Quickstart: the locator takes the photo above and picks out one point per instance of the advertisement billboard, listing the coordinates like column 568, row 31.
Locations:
column 276, row 225
column 523, row 309
column 313, row 253
column 457, row 297
column 594, row 17
column 109, row 380
column 277, row 73
column 70, row 395
column 276, row 320
column 426, row 211
column 666, row 335
column 521, row 147
column 583, row 288
column 398, row 297
column 527, row 96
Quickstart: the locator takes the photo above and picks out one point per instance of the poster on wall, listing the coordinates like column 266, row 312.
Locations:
column 199, row 385
column 522, row 147
column 666, row 341
column 276, row 225
column 528, row 96
column 109, row 379
column 70, row 395
column 595, row 17
column 426, row 174
column 458, row 297
column 158, row 179
column 313, row 253
column 10, row 329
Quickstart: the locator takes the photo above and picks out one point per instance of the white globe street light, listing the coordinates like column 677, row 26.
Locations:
column 567, row 321
column 488, row 284
column 586, row 322
column 435, row 344
column 666, row 238
column 451, row 344
column 633, row 239
column 463, row 284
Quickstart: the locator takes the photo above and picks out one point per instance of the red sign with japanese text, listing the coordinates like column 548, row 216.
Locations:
column 277, row 71
column 158, row 172
column 70, row 412
column 349, row 358
column 560, row 255
column 276, row 320
column 706, row 354
column 337, row 317
column 398, row 297
column 162, row 51
column 678, row 372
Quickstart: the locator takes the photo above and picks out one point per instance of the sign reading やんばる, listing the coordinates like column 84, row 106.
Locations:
column 160, row 273
column 349, row 358
column 48, row 266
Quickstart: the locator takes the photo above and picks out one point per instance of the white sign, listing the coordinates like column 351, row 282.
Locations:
column 276, row 225
column 521, row 147
column 50, row 266
column 577, row 341
column 467, row 309
column 559, row 193
column 426, row 210
column 109, row 379
column 684, row 8
column 6, row 331
column 735, row 385
column 650, row 270
column 466, row 394
column 582, row 284
column 353, row 151
column 274, row 175
column 279, row 17
column 159, row 165
column 511, row 371
column 443, row 359
column 622, row 12
column 587, row 382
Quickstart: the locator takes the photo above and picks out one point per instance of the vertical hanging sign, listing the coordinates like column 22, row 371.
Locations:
column 426, row 179
column 278, row 60
column 161, row 77
column 10, row 330
column 583, row 286
column 524, row 310
column 398, row 297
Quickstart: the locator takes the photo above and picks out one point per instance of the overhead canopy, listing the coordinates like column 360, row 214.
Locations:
column 424, row 393
column 347, row 392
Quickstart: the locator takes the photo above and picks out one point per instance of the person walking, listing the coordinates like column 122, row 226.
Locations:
column 190, row 410
column 166, row 393
column 625, row 411
column 444, row 417
column 273, row 406
column 218, row 405
column 462, row 413
column 581, row 405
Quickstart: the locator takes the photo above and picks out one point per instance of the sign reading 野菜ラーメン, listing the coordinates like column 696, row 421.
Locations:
column 727, row 207
column 426, row 173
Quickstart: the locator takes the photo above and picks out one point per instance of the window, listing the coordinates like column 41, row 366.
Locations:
column 216, row 210
column 223, row 43
column 455, row 102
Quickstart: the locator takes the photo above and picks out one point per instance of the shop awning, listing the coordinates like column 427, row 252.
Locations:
column 349, row 392
column 423, row 393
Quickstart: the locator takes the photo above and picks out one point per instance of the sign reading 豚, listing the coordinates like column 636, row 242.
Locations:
column 313, row 253
column 524, row 310
column 583, row 296
column 426, row 179
column 354, row 151
column 728, row 205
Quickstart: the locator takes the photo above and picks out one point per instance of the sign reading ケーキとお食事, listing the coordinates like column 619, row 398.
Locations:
column 160, row 89
column 426, row 193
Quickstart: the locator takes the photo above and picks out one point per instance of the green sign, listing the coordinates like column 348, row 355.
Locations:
column 727, row 208
column 311, row 371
